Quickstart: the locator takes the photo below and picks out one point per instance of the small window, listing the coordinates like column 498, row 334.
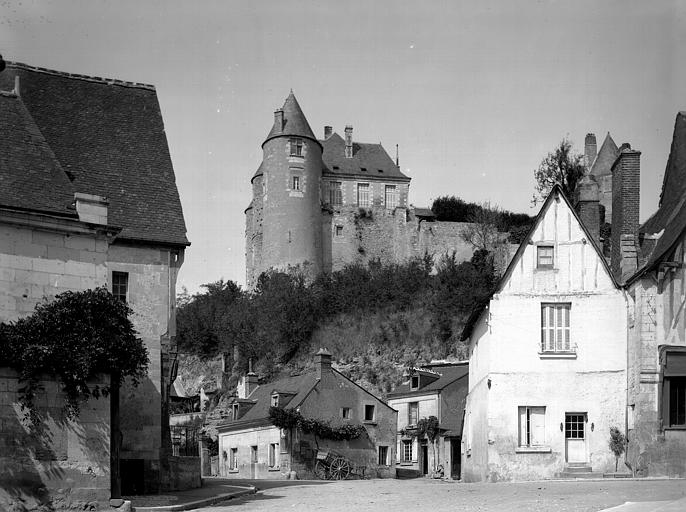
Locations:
column 412, row 413
column 363, row 169
column 363, row 199
column 273, row 455
column 275, row 400
column 335, row 193
column 296, row 146
column 233, row 460
column 383, row 456
column 414, row 382
column 531, row 426
column 380, row 170
column 406, row 453
column 555, row 328
column 234, row 411
column 120, row 285
column 369, row 411
column 253, row 454
column 339, row 231
column 335, row 167
column 345, row 413
column 295, row 183
column 544, row 256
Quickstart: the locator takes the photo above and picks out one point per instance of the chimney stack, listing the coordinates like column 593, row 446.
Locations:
column 323, row 364
column 348, row 141
column 588, row 206
column 626, row 174
column 248, row 383
column 328, row 130
column 278, row 120
column 590, row 151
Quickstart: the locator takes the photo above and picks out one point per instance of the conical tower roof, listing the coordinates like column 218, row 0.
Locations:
column 294, row 121
column 607, row 155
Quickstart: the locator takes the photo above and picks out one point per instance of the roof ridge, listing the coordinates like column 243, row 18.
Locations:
column 76, row 76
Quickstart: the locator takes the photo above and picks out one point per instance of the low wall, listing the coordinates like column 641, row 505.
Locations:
column 54, row 462
column 184, row 473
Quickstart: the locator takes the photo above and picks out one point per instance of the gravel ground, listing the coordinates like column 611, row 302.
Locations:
column 435, row 496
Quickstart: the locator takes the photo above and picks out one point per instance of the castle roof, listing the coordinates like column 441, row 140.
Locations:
column 106, row 137
column 607, row 155
column 369, row 160
column 294, row 121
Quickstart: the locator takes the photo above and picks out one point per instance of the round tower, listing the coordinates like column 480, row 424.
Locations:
column 290, row 186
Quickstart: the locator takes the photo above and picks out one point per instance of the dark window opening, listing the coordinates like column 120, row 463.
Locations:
column 120, row 285
column 369, row 413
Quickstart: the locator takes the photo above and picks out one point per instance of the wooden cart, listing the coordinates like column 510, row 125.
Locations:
column 331, row 465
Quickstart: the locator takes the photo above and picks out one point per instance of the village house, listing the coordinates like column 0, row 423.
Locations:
column 656, row 396
column 440, row 390
column 88, row 199
column 251, row 446
column 547, row 365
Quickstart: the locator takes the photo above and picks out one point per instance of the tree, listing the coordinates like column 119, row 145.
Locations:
column 617, row 444
column 482, row 233
column 561, row 167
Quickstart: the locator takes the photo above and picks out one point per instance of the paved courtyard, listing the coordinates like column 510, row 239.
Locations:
column 436, row 496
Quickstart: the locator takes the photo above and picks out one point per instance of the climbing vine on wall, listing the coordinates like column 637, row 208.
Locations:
column 73, row 338
column 290, row 418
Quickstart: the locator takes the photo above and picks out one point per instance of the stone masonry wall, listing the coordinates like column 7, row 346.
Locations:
column 56, row 463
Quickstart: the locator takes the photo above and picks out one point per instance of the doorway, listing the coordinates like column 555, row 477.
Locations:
column 575, row 437
column 253, row 462
column 455, row 458
column 425, row 458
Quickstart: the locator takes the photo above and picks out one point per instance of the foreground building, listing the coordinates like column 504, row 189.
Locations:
column 88, row 198
column 547, row 365
column 250, row 446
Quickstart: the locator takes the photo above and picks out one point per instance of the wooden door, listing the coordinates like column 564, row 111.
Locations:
column 575, row 437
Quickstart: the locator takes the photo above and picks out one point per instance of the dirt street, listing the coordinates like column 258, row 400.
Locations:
column 436, row 496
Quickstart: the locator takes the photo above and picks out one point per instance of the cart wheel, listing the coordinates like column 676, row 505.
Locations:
column 340, row 468
column 320, row 470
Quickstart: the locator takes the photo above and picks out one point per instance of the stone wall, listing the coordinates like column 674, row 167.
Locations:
column 60, row 463
column 184, row 473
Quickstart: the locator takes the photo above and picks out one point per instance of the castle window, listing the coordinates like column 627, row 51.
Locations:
column 335, row 193
column 296, row 147
column 120, row 285
column 544, row 256
column 339, row 231
column 363, row 200
column 391, row 197
column 555, row 328
column 295, row 183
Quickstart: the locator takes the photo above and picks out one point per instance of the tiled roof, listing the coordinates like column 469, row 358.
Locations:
column 669, row 221
column 109, row 136
column 369, row 160
column 607, row 155
column 294, row 121
column 424, row 213
column 30, row 176
column 449, row 374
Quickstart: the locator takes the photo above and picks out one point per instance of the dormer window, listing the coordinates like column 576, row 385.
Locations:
column 234, row 411
column 363, row 169
column 414, row 382
column 275, row 400
column 296, row 146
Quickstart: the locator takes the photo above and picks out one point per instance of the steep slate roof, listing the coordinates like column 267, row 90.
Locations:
column 669, row 221
column 109, row 136
column 607, row 155
column 30, row 176
column 372, row 157
column 556, row 191
column 294, row 121
column 449, row 374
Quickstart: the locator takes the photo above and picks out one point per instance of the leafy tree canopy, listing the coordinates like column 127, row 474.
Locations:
column 563, row 167
column 74, row 337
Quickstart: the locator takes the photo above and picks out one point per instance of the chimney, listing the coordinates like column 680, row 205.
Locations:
column 278, row 120
column 588, row 206
column 590, row 150
column 323, row 364
column 328, row 130
column 626, row 174
column 248, row 383
column 348, row 141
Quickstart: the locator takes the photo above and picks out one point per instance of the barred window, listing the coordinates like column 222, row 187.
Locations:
column 555, row 327
column 335, row 193
column 363, row 200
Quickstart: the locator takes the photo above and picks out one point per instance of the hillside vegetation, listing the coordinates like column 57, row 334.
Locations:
column 375, row 319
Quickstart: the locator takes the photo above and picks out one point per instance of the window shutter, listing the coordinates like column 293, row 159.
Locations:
column 537, row 425
column 522, row 427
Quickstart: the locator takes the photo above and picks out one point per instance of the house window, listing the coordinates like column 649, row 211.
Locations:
column 391, row 197
column 335, row 193
column 406, row 450
column 674, row 389
column 531, row 426
column 369, row 412
column 414, row 382
column 544, row 256
column 555, row 336
column 574, row 426
column 295, row 183
column 253, row 454
column 120, row 285
column 363, row 195
column 339, row 231
column 233, row 459
column 412, row 413
column 273, row 455
column 234, row 411
column 383, row 456
column 345, row 413
column 296, row 146
column 275, row 400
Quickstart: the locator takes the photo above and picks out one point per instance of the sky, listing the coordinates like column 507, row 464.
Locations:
column 475, row 94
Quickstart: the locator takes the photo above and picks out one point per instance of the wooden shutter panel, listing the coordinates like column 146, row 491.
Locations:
column 537, row 426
